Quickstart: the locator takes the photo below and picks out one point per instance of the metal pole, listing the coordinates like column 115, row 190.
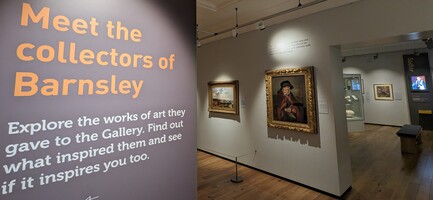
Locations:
column 236, row 178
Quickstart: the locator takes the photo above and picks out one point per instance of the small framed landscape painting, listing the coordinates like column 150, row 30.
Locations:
column 224, row 97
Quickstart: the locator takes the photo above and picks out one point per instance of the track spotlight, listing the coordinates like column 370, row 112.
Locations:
column 429, row 43
column 375, row 56
column 197, row 41
column 235, row 30
column 299, row 5
column 343, row 59
column 260, row 25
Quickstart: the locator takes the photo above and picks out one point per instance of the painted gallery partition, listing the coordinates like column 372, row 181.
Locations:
column 97, row 100
column 419, row 89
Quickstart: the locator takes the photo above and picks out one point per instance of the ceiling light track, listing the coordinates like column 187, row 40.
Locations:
column 265, row 18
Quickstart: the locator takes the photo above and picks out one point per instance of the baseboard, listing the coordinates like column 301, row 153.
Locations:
column 383, row 125
column 346, row 193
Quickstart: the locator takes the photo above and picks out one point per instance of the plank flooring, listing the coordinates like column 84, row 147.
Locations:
column 379, row 171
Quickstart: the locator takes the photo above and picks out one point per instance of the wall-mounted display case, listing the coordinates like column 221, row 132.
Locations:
column 353, row 88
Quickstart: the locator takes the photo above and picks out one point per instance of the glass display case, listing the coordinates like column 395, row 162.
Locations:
column 353, row 87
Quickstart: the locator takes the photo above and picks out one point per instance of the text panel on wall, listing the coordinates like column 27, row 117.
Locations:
column 97, row 100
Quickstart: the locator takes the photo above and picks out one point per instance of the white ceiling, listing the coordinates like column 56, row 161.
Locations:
column 219, row 16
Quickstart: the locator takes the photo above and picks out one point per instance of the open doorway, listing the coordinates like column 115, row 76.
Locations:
column 386, row 96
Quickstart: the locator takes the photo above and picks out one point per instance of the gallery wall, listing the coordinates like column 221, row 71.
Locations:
column 90, row 100
column 387, row 68
column 321, row 160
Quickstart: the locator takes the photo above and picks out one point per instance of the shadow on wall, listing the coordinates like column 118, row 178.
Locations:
column 225, row 116
column 312, row 140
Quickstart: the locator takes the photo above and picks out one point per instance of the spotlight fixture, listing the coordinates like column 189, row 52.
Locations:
column 197, row 41
column 343, row 59
column 299, row 5
column 429, row 43
column 235, row 30
column 375, row 56
column 260, row 25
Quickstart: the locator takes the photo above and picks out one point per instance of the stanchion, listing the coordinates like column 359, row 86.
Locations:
column 237, row 179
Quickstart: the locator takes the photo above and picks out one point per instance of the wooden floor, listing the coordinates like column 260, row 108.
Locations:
column 379, row 171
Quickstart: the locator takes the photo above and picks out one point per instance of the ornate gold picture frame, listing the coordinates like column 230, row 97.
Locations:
column 290, row 98
column 224, row 97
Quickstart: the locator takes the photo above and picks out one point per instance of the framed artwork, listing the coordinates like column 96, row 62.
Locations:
column 224, row 97
column 383, row 92
column 290, row 99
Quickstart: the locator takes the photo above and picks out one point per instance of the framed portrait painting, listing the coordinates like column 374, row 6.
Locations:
column 383, row 92
column 224, row 97
column 290, row 99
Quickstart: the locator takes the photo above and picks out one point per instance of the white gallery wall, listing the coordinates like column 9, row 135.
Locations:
column 388, row 68
column 321, row 160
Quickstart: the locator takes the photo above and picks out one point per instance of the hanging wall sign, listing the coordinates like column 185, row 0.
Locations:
column 97, row 100
column 418, row 87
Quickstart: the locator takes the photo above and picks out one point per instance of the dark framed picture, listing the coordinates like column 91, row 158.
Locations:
column 224, row 97
column 290, row 98
column 383, row 92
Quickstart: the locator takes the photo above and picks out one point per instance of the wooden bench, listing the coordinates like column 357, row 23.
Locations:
column 410, row 137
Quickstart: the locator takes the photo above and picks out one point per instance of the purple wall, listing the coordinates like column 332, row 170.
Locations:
column 65, row 72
